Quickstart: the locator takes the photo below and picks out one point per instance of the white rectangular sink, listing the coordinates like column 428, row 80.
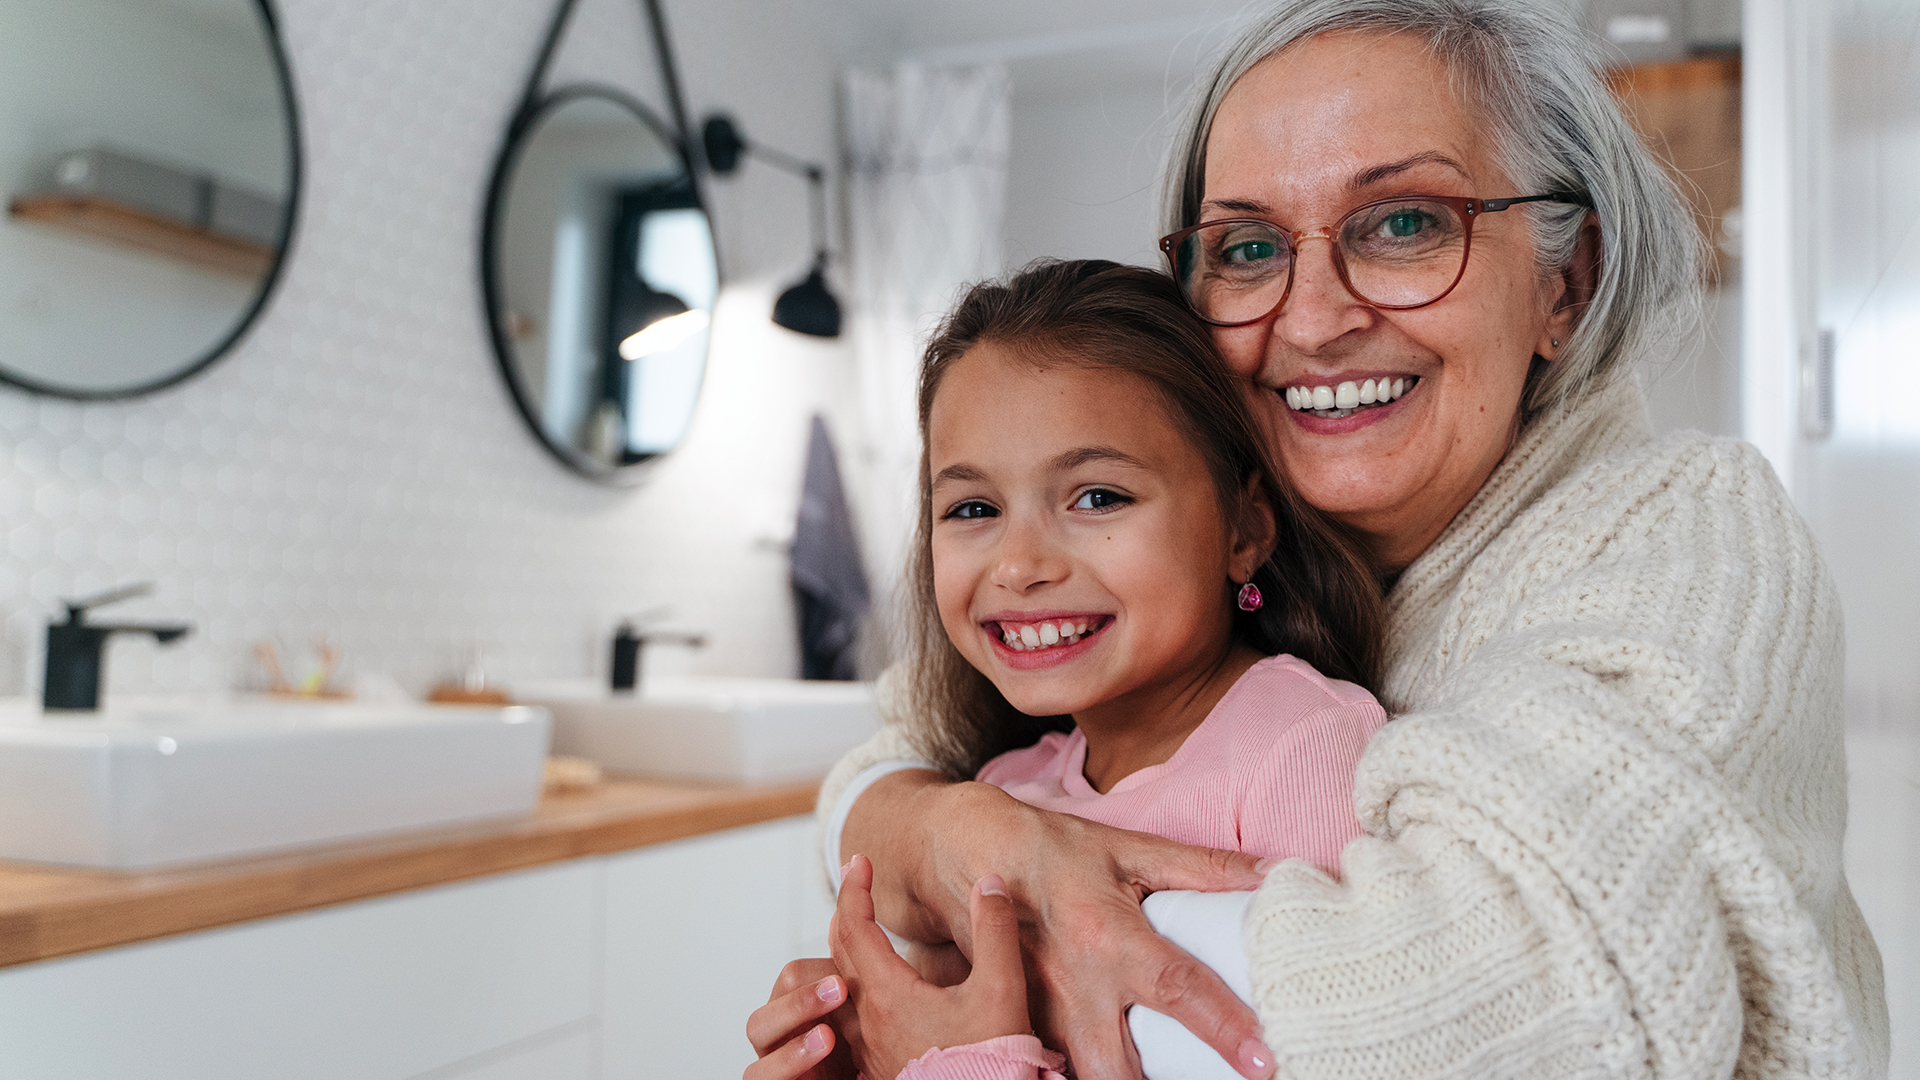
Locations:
column 740, row 729
column 153, row 783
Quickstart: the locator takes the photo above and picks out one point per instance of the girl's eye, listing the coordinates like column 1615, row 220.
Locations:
column 1100, row 499
column 973, row 508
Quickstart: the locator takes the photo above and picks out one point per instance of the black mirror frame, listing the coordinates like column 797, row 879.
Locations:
column 291, row 215
column 533, row 104
column 522, row 126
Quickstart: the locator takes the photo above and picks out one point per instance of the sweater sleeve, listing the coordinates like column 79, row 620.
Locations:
column 1605, row 841
column 1010, row 1057
column 892, row 745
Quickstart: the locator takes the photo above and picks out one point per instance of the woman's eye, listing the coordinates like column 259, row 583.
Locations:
column 1403, row 223
column 1399, row 230
column 973, row 508
column 1099, row 499
column 1250, row 251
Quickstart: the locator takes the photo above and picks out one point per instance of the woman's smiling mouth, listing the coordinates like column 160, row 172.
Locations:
column 1346, row 398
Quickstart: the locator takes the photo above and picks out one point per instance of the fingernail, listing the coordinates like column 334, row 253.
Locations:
column 828, row 989
column 844, row 868
column 1255, row 1056
column 1265, row 865
column 817, row 1039
column 993, row 885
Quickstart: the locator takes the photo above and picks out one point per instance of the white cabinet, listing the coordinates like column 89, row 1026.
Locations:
column 696, row 933
column 390, row 987
column 635, row 965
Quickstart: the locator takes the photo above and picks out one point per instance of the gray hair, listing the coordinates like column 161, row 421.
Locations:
column 1555, row 128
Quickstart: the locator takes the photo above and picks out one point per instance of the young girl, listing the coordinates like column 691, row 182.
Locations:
column 1120, row 613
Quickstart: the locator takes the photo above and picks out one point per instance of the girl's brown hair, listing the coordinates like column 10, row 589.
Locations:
column 1323, row 604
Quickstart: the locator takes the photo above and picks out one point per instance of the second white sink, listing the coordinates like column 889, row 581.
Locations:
column 740, row 729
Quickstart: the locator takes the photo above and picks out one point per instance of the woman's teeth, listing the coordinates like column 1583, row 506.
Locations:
column 1029, row 636
column 1347, row 397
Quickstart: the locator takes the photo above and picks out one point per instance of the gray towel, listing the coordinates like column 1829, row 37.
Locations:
column 829, row 585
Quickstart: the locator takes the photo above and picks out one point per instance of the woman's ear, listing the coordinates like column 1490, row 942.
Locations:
column 1572, row 291
column 1254, row 536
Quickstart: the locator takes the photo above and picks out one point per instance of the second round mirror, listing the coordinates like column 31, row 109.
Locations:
column 601, row 278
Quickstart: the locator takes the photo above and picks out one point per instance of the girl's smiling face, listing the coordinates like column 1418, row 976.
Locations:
column 1081, row 555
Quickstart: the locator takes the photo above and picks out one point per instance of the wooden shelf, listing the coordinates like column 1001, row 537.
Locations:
column 1688, row 112
column 48, row 911
column 107, row 219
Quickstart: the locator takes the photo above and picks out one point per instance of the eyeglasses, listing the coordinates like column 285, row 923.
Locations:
column 1394, row 254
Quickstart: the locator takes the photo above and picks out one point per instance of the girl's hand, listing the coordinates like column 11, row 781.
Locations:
column 784, row 1034
column 1079, row 887
column 900, row 1015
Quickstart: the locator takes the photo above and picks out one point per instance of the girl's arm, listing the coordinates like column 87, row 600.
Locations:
column 1091, row 947
column 908, row 1027
column 788, row 1033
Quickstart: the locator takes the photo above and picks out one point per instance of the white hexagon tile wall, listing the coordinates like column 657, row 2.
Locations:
column 355, row 468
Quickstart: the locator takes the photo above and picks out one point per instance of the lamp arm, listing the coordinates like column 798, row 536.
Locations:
column 816, row 178
column 785, row 162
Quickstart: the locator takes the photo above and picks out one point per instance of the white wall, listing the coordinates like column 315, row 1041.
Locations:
column 1088, row 141
column 355, row 468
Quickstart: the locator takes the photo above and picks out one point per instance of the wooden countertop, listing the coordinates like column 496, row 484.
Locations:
column 48, row 911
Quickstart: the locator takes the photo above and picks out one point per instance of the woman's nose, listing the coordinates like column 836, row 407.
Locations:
column 1028, row 558
column 1319, row 308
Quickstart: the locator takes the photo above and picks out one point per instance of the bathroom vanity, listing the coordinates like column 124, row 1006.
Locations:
column 624, row 931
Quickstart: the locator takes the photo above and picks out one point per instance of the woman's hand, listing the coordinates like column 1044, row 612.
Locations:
column 902, row 1016
column 1077, row 888
column 784, row 1032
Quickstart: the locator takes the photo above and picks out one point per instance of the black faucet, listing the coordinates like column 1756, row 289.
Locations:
column 76, row 648
column 627, row 643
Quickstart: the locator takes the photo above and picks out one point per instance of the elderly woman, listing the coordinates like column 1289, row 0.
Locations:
column 1605, row 825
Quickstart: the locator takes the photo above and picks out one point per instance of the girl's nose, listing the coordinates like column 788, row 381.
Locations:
column 1028, row 558
column 1319, row 309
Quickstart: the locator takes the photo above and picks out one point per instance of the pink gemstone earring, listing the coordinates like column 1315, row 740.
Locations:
column 1250, row 598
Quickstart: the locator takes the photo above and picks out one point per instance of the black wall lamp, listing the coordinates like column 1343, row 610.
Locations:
column 807, row 306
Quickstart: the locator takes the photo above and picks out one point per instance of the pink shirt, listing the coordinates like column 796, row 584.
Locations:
column 1268, row 772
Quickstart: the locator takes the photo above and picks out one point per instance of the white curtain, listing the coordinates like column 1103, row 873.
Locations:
column 926, row 192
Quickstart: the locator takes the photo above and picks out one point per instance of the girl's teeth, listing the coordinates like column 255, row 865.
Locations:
column 1346, row 395
column 1042, row 635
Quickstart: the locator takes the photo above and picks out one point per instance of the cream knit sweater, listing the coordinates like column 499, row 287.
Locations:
column 1605, row 827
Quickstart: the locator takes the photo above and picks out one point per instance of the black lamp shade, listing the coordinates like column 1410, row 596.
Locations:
column 723, row 144
column 808, row 308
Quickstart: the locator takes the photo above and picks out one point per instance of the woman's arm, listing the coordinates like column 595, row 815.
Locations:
column 1078, row 887
column 1606, row 827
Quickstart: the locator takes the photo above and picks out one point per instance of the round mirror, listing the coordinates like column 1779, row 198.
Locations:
column 150, row 161
column 600, row 278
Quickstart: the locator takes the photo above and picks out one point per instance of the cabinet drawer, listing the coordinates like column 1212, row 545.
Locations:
column 385, row 988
